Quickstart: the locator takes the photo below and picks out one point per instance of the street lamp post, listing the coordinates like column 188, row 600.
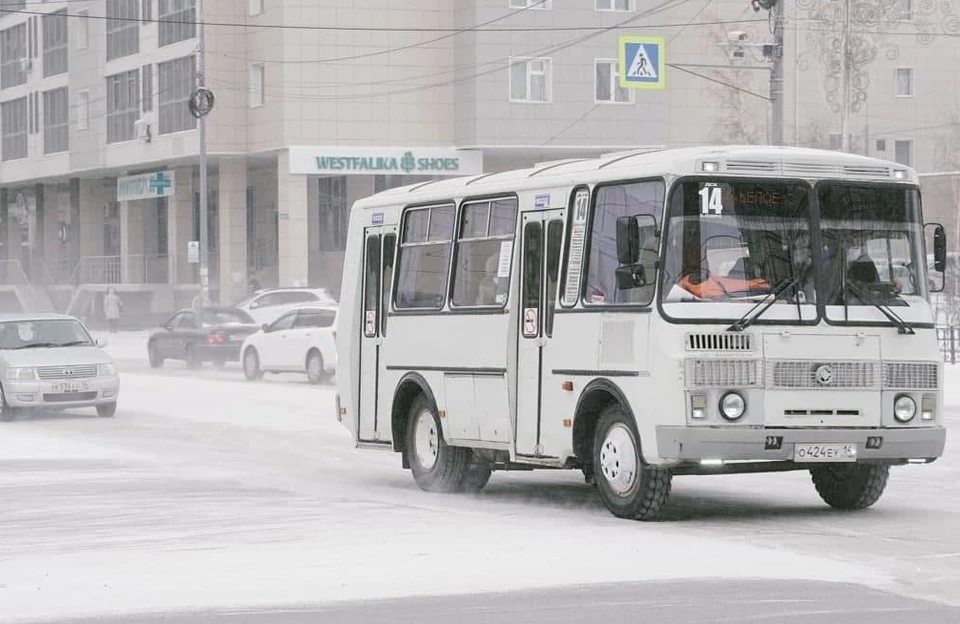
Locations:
column 201, row 103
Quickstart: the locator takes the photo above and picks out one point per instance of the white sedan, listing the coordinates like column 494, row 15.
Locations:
column 301, row 340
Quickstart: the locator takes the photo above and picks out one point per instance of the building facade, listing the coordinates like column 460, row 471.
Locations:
column 318, row 104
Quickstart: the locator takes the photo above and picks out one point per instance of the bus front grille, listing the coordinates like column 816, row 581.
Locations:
column 813, row 375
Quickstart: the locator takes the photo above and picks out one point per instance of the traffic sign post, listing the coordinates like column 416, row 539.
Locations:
column 642, row 62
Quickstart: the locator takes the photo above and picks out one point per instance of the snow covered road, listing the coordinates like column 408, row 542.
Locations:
column 207, row 491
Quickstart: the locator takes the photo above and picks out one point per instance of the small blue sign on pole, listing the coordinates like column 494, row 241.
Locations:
column 642, row 64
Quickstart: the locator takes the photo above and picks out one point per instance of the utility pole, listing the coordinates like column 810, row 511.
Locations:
column 845, row 79
column 776, row 74
column 201, row 103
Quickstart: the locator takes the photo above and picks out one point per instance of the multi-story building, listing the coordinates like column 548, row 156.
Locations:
column 319, row 103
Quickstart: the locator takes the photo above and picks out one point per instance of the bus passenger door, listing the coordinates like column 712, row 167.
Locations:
column 378, row 254
column 541, row 238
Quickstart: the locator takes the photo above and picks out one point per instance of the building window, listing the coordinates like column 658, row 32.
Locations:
column 256, row 85
column 13, row 5
column 56, row 121
column 13, row 50
column 613, row 5
column 906, row 9
column 83, row 110
column 608, row 87
column 83, row 29
column 904, row 77
column 14, row 117
column 255, row 7
column 146, row 12
column 484, row 249
column 903, row 152
column 55, row 42
column 123, row 106
column 613, row 202
column 178, row 20
column 530, row 80
column 543, row 5
column 334, row 213
column 146, row 103
column 424, row 263
column 881, row 145
column 123, row 28
column 176, row 80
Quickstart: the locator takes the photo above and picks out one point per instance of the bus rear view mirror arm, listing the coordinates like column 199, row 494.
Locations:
column 631, row 276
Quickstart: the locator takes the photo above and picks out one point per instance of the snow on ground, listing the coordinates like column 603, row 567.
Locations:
column 207, row 490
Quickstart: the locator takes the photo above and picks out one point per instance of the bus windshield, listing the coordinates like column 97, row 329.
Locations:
column 872, row 247
column 731, row 241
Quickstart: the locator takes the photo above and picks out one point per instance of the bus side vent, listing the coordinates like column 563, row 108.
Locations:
column 751, row 165
column 723, row 373
column 719, row 342
column 864, row 171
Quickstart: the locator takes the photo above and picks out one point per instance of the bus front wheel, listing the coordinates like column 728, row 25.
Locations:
column 628, row 487
column 436, row 467
column 850, row 486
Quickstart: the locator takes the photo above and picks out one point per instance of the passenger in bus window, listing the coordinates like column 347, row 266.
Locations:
column 489, row 289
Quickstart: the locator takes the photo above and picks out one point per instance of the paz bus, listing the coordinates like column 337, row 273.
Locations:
column 647, row 314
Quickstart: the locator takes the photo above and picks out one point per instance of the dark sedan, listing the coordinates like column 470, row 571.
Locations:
column 201, row 335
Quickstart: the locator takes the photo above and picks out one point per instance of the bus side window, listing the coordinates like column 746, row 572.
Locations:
column 386, row 278
column 371, row 296
column 554, row 239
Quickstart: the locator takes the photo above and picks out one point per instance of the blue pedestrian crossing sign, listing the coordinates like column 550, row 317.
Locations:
column 642, row 63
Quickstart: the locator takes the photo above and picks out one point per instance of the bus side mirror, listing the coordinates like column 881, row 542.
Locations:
column 939, row 249
column 628, row 241
column 632, row 276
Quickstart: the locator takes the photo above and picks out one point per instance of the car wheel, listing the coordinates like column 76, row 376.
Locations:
column 156, row 361
column 107, row 410
column 314, row 367
column 7, row 413
column 193, row 361
column 850, row 487
column 251, row 364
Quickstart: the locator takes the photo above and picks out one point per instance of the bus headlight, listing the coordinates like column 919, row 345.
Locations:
column 904, row 408
column 732, row 406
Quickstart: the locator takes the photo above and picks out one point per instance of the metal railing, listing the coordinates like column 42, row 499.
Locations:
column 97, row 270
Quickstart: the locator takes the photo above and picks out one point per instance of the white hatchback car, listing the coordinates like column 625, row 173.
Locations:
column 266, row 306
column 301, row 340
column 51, row 361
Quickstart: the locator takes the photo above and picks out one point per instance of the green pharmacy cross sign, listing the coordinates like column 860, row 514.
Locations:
column 160, row 183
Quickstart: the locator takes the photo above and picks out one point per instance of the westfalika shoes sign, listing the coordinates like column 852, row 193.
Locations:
column 429, row 161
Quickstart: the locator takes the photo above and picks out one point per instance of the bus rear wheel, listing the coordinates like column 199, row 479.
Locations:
column 629, row 488
column 850, row 486
column 436, row 467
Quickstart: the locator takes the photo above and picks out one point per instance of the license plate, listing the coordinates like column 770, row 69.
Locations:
column 70, row 387
column 825, row 453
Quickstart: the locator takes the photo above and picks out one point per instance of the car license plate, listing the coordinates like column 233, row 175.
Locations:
column 70, row 387
column 825, row 453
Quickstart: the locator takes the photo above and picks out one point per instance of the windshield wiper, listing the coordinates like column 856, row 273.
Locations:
column 747, row 319
column 36, row 345
column 902, row 326
column 76, row 343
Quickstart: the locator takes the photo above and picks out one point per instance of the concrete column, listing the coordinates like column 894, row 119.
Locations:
column 232, row 203
column 293, row 236
column 180, row 227
column 89, row 233
column 131, row 242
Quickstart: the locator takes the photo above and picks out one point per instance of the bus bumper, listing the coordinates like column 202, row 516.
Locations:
column 738, row 443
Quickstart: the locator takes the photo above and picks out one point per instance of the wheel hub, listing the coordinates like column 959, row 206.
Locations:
column 426, row 440
column 618, row 460
column 313, row 366
column 251, row 363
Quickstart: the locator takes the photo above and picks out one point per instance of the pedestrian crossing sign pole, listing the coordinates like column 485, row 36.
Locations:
column 642, row 64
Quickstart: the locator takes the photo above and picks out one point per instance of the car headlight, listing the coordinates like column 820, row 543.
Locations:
column 21, row 374
column 732, row 406
column 904, row 408
column 107, row 370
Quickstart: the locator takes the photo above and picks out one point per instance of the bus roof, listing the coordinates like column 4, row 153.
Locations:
column 742, row 160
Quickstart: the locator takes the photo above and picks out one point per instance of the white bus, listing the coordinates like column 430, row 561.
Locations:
column 644, row 315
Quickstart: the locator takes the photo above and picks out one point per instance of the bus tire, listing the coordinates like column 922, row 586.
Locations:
column 436, row 467
column 475, row 478
column 850, row 486
column 629, row 488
